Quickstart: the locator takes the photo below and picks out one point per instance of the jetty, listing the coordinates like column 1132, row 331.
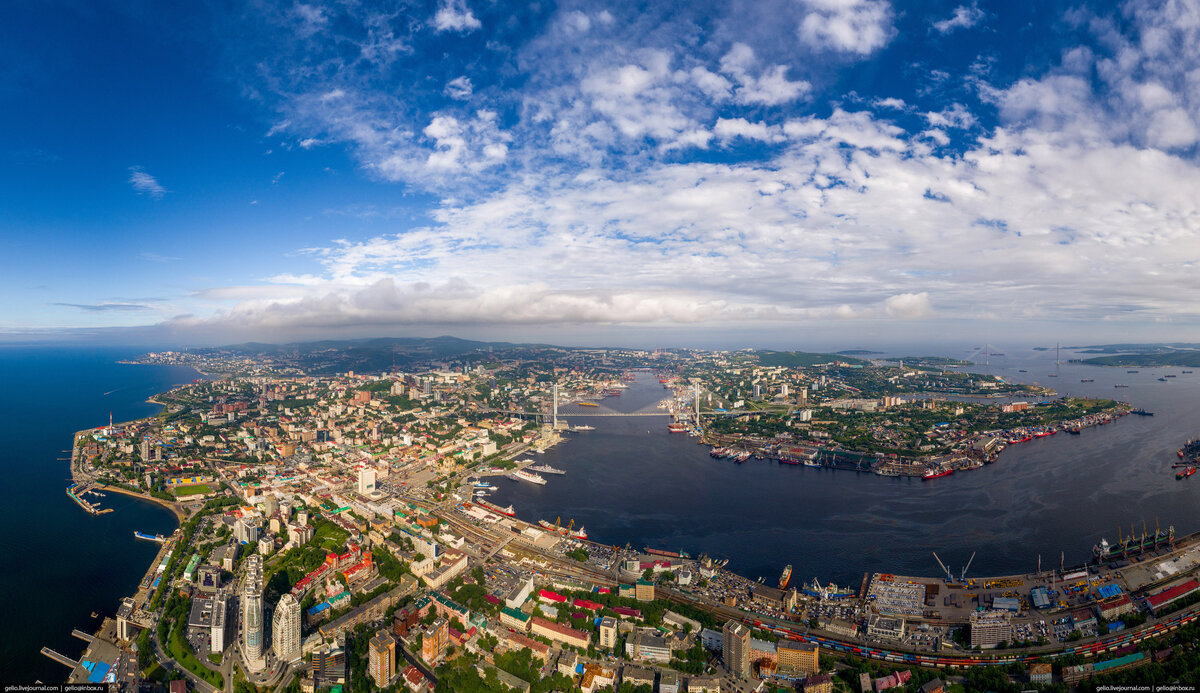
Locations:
column 59, row 657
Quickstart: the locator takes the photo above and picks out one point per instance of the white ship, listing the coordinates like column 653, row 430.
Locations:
column 523, row 475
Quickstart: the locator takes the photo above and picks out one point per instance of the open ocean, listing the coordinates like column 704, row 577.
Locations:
column 58, row 564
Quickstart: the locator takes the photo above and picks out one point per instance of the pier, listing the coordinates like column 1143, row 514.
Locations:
column 59, row 657
column 86, row 637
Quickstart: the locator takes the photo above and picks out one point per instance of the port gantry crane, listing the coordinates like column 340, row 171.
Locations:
column 949, row 575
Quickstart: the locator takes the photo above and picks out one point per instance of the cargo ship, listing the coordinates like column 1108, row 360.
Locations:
column 741, row 456
column 1132, row 545
column 149, row 537
column 786, row 577
column 1185, row 473
column 677, row 427
column 522, row 475
column 935, row 473
column 668, row 554
column 588, row 404
column 497, row 509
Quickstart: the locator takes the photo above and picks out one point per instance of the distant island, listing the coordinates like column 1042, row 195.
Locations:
column 1147, row 355
column 858, row 352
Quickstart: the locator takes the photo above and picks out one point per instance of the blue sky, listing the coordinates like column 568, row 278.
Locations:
column 573, row 172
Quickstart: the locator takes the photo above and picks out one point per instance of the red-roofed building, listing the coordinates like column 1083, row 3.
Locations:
column 1162, row 599
column 548, row 596
column 585, row 604
column 564, row 634
column 512, row 640
column 414, row 679
column 1116, row 607
column 626, row 612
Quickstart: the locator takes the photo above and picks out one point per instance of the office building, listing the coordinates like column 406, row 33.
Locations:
column 366, row 481
column 990, row 628
column 798, row 658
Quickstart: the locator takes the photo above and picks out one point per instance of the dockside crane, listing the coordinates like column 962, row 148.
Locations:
column 949, row 575
column 963, row 579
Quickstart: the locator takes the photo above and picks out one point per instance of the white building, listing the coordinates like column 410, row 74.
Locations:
column 285, row 629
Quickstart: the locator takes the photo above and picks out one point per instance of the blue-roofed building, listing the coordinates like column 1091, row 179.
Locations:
column 1006, row 604
column 1109, row 591
column 1041, row 598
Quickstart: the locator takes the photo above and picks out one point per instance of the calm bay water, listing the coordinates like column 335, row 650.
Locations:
column 57, row 563
column 630, row 481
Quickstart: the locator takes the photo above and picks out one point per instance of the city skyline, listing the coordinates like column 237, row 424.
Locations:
column 587, row 173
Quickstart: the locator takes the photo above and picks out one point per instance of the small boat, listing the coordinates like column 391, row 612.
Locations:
column 1133, row 371
column 1185, row 372
column 1185, row 473
column 1120, row 386
column 1087, row 380
column 1022, row 371
column 1074, row 431
column 1162, row 380
column 935, row 473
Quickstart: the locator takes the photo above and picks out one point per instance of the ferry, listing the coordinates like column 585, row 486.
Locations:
column 786, row 577
column 583, row 427
column 483, row 484
column 1185, row 473
column 935, row 473
column 522, row 475
column 149, row 537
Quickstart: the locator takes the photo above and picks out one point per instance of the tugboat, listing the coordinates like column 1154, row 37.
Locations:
column 1184, row 473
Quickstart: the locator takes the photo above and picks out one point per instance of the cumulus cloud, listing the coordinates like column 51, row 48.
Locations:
column 770, row 87
column 849, row 26
column 145, row 184
column 589, row 196
column 454, row 15
column 964, row 17
column 459, row 88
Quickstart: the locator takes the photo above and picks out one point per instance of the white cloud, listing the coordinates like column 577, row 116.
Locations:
column 849, row 26
column 729, row 128
column 771, row 87
column 459, row 88
column 454, row 15
column 964, row 17
column 145, row 184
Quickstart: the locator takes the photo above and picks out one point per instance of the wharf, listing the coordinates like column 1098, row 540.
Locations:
column 82, row 636
column 59, row 657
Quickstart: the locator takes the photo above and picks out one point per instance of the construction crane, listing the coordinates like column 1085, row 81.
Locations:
column 949, row 575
